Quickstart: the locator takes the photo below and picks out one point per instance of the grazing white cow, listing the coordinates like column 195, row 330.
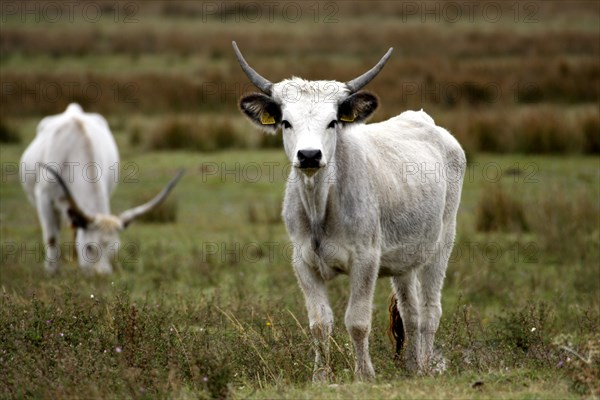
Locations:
column 70, row 170
column 364, row 200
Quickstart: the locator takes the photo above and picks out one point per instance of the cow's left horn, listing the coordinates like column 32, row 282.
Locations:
column 128, row 216
column 258, row 81
column 358, row 83
column 74, row 210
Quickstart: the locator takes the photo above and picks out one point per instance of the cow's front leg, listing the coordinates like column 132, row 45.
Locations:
column 320, row 317
column 363, row 275
column 50, row 222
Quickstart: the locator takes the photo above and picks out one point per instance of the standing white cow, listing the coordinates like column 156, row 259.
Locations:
column 363, row 200
column 70, row 170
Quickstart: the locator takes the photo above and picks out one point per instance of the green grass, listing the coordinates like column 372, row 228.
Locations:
column 213, row 294
column 501, row 385
column 206, row 305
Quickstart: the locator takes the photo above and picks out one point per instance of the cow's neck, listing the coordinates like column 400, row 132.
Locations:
column 319, row 194
column 314, row 193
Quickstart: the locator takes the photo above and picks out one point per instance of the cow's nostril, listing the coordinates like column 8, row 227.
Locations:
column 309, row 158
column 309, row 155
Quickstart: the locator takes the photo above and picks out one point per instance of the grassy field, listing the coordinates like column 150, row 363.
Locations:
column 204, row 303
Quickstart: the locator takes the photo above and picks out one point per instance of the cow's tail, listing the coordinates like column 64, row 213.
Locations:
column 396, row 328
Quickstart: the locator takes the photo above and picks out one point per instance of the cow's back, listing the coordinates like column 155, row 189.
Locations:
column 82, row 146
column 417, row 169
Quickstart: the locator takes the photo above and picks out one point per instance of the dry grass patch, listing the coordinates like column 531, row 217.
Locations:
column 500, row 211
column 567, row 224
column 192, row 133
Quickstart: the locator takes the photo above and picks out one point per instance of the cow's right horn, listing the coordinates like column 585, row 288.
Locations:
column 128, row 216
column 258, row 81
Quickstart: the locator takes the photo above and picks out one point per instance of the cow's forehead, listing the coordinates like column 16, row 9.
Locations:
column 297, row 91
column 107, row 223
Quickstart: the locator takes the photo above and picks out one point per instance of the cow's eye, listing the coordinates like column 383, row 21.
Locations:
column 332, row 124
column 286, row 125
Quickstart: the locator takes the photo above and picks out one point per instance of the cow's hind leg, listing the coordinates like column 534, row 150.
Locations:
column 406, row 287
column 50, row 222
column 432, row 280
column 320, row 317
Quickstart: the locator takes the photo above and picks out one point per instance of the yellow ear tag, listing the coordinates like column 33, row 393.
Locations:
column 347, row 118
column 267, row 119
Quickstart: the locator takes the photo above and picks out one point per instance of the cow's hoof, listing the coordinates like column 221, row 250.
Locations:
column 103, row 270
column 437, row 364
column 411, row 366
column 365, row 374
column 51, row 268
column 322, row 375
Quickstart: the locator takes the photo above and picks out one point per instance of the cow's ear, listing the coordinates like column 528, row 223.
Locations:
column 262, row 110
column 357, row 107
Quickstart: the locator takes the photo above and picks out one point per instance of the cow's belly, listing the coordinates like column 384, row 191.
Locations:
column 334, row 258
column 413, row 245
column 405, row 258
column 412, row 252
column 403, row 251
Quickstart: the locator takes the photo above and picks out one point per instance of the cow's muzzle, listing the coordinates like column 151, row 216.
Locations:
column 309, row 159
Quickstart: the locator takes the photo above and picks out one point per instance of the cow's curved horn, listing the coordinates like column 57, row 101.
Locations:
column 74, row 208
column 358, row 83
column 128, row 216
column 258, row 81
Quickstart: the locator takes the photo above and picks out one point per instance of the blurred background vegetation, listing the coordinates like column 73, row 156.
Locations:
column 204, row 302
column 504, row 77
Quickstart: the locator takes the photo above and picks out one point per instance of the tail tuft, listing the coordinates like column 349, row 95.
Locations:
column 396, row 328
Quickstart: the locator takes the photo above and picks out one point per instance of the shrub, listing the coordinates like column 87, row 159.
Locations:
column 516, row 338
column 581, row 358
column 566, row 224
column 489, row 133
column 498, row 211
column 135, row 137
column 527, row 331
column 269, row 141
column 525, row 129
column 545, row 131
column 186, row 133
column 590, row 125
column 7, row 134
